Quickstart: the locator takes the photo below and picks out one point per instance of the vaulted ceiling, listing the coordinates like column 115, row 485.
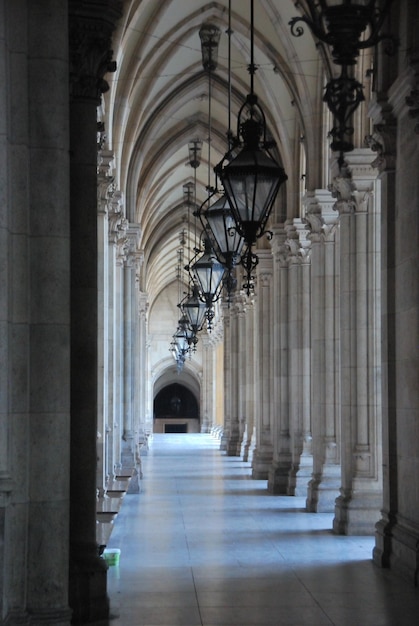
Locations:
column 158, row 103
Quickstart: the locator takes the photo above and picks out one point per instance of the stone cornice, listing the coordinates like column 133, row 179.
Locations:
column 91, row 24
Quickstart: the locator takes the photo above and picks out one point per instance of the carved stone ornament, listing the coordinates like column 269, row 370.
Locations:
column 342, row 188
column 412, row 100
column 91, row 24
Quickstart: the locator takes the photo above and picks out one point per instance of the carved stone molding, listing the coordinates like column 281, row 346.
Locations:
column 297, row 242
column 412, row 100
column 320, row 215
column 91, row 24
column 383, row 140
column 117, row 222
column 342, row 188
column 143, row 305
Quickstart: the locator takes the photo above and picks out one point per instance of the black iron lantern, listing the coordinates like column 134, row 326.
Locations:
column 209, row 273
column 252, row 179
column 347, row 26
column 194, row 310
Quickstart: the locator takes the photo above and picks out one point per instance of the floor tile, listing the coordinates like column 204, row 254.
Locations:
column 203, row 544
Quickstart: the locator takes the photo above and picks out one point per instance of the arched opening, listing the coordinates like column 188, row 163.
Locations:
column 176, row 410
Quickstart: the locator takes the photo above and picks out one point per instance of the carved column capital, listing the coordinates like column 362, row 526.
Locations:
column 383, row 140
column 298, row 243
column 412, row 100
column 354, row 187
column 91, row 24
column 320, row 215
column 117, row 222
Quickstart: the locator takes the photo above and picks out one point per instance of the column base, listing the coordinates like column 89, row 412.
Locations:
column 323, row 490
column 303, row 475
column 278, row 478
column 234, row 441
column 261, row 462
column 88, row 597
column 397, row 547
column 356, row 514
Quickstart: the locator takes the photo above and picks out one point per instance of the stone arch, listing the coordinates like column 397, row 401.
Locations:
column 176, row 402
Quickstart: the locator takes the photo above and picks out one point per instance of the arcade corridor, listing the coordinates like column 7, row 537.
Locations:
column 204, row 545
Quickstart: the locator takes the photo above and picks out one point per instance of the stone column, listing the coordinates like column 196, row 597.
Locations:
column 233, row 445
column 130, row 327
column 34, row 314
column 104, row 189
column 325, row 397
column 299, row 316
column 207, row 377
column 396, row 141
column 142, row 350
column 227, row 377
column 91, row 28
column 263, row 453
column 248, row 373
column 117, row 224
column 280, row 471
column 357, row 508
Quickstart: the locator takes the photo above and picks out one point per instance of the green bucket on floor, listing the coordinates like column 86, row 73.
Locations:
column 111, row 556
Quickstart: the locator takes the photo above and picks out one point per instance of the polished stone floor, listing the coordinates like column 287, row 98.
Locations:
column 205, row 545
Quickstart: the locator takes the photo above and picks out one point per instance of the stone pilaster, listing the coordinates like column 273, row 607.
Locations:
column 207, row 376
column 396, row 140
column 117, row 225
column 263, row 453
column 227, row 377
column 34, row 315
column 105, row 190
column 130, row 348
column 280, row 471
column 299, row 355
column 248, row 372
column 90, row 30
column 233, row 445
column 143, row 304
column 357, row 191
column 325, row 396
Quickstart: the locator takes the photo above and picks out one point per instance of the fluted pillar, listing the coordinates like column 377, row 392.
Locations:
column 207, row 378
column 233, row 445
column 263, row 453
column 90, row 59
column 280, row 470
column 395, row 140
column 144, row 427
column 34, row 314
column 117, row 225
column 325, row 396
column 299, row 356
column 247, row 381
column 130, row 347
column 357, row 190
column 105, row 190
column 227, row 377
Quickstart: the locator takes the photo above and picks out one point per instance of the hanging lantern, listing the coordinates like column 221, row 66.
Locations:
column 194, row 310
column 209, row 273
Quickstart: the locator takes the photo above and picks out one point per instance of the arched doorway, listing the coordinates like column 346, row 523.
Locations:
column 176, row 405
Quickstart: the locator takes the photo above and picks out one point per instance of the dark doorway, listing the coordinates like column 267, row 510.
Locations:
column 175, row 428
column 175, row 401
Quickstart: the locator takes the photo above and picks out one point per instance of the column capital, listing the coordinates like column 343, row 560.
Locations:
column 91, row 24
column 297, row 242
column 117, row 222
column 353, row 186
column 321, row 215
column 383, row 140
